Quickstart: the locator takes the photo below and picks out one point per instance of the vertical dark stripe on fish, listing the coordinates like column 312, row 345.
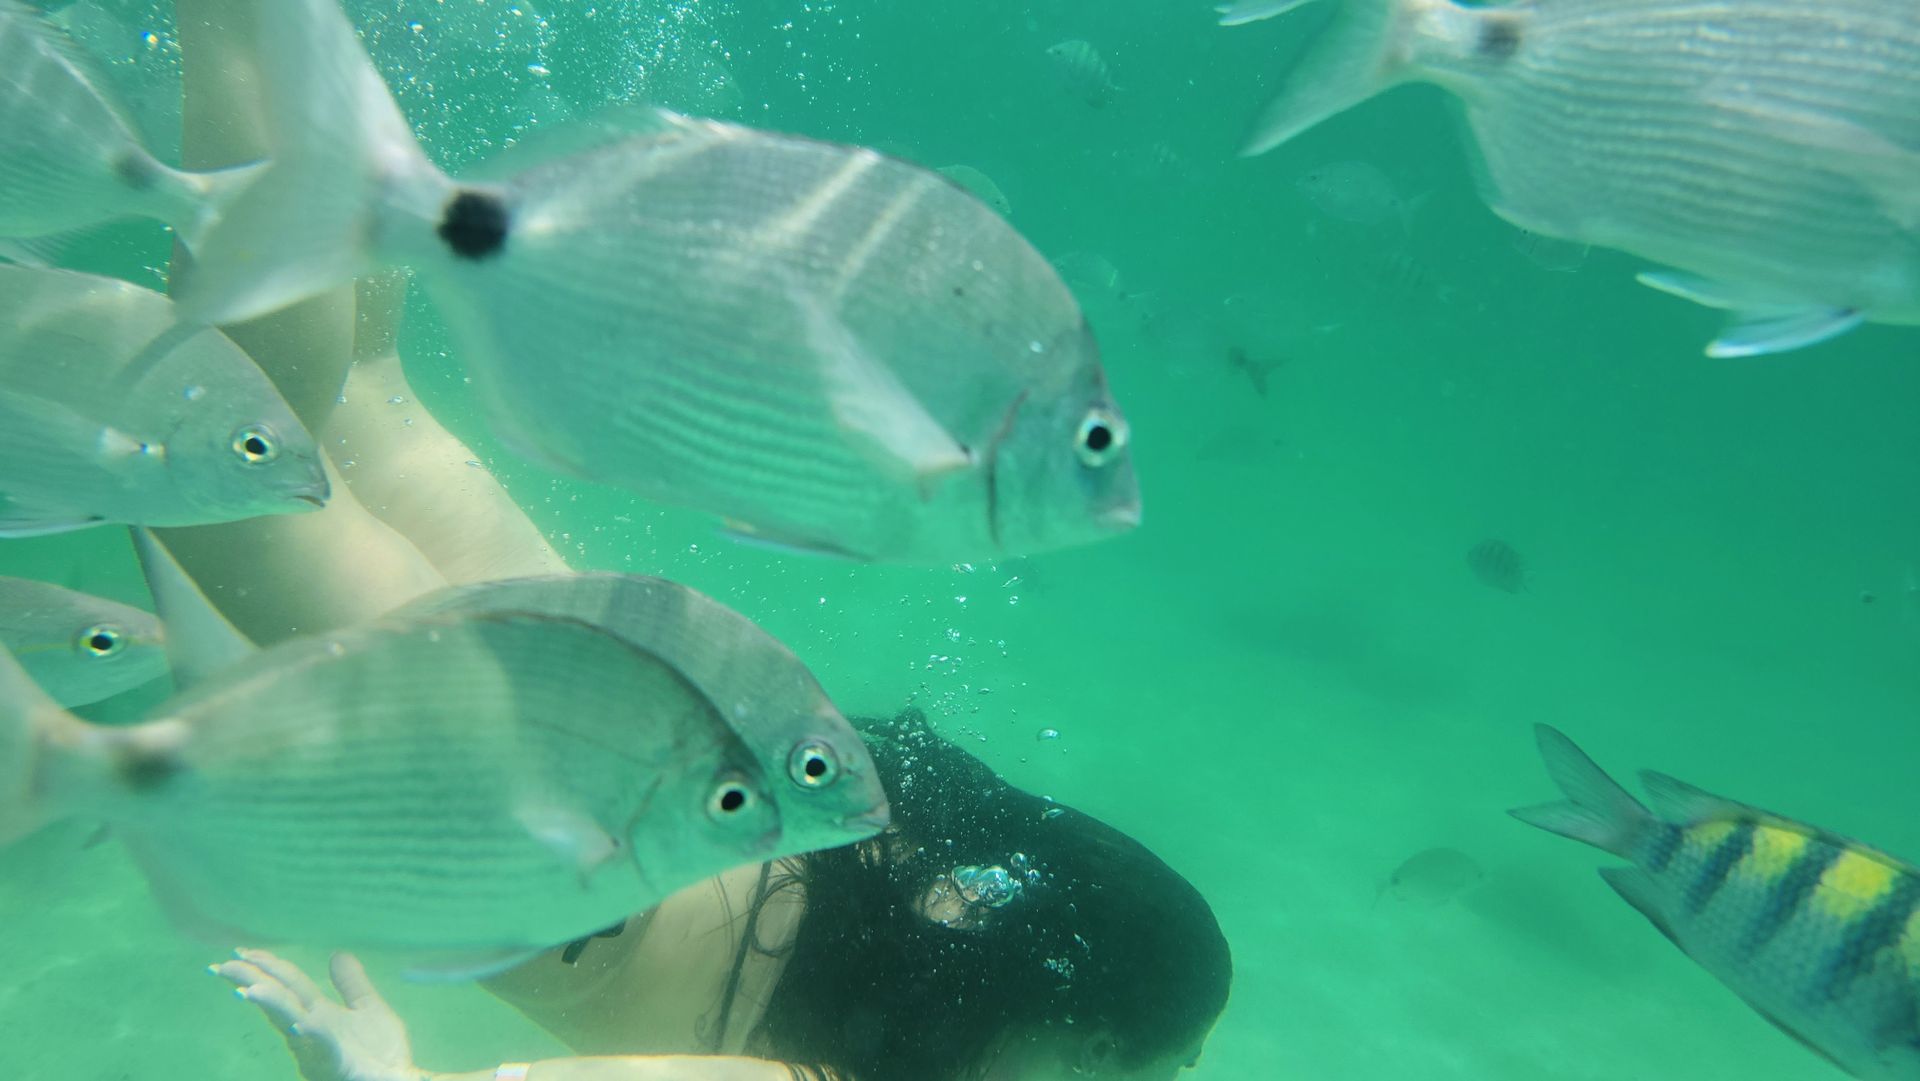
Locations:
column 993, row 468
column 1874, row 930
column 1789, row 893
column 1663, row 841
column 1718, row 865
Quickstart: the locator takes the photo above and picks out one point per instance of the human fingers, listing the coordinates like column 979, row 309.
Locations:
column 356, row 990
column 282, row 1008
column 304, row 989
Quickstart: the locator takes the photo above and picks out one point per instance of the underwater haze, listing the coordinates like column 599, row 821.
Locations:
column 1346, row 379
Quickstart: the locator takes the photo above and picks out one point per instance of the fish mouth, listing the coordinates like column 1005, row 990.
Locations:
column 1122, row 518
column 870, row 821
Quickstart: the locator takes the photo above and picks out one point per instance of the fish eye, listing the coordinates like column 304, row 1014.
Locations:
column 813, row 765
column 256, row 444
column 1101, row 439
column 101, row 640
column 728, row 800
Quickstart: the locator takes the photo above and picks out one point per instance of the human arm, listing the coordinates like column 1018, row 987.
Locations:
column 360, row 1038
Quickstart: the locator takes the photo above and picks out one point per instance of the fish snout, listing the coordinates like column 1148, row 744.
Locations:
column 1121, row 517
column 870, row 821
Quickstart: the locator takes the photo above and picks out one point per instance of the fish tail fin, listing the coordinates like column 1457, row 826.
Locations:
column 1597, row 810
column 1365, row 50
column 38, row 741
column 345, row 172
column 213, row 192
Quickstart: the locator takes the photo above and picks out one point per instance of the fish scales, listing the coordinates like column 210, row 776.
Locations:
column 412, row 763
column 1817, row 932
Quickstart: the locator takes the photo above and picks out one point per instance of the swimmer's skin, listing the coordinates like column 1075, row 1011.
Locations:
column 360, row 1038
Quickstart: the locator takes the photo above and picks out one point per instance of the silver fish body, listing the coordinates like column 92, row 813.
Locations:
column 831, row 349
column 460, row 790
column 831, row 792
column 110, row 412
column 78, row 647
column 1766, row 150
column 69, row 157
column 1819, row 933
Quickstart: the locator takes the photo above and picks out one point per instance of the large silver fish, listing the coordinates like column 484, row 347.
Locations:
column 834, row 350
column 1767, row 150
column 464, row 791
column 1818, row 933
column 110, row 412
column 78, row 647
column 833, row 795
column 69, row 157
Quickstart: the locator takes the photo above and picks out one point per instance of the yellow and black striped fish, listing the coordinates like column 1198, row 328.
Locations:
column 1818, row 933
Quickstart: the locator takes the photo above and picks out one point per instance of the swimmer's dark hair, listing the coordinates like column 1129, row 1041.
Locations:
column 1108, row 938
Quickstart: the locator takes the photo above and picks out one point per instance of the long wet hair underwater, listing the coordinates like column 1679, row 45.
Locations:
column 985, row 913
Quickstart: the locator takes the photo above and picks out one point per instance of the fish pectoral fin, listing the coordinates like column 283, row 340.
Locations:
column 1249, row 11
column 465, row 967
column 570, row 834
column 869, row 403
column 1762, row 323
column 1636, row 888
column 743, row 533
column 1878, row 164
column 18, row 522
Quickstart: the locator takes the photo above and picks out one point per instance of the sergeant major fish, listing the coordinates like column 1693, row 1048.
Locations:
column 79, row 648
column 1818, row 933
column 1766, row 150
column 69, row 157
column 830, row 349
column 1084, row 71
column 461, row 790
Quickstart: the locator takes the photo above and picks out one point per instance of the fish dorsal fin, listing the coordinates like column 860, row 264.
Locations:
column 200, row 641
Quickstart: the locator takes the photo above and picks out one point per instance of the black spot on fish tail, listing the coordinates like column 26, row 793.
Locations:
column 1790, row 893
column 475, row 224
column 1718, row 865
column 1500, row 36
column 137, row 170
column 1878, row 928
column 146, row 771
column 1663, row 839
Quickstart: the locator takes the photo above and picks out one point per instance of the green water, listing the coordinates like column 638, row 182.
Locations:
column 1288, row 680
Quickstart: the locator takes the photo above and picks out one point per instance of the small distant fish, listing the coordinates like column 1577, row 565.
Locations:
column 1818, row 933
column 70, row 158
column 1256, row 369
column 1431, row 878
column 79, row 648
column 1765, row 152
column 464, row 791
column 767, row 694
column 1547, row 253
column 831, row 350
column 1497, row 564
column 1084, row 71
column 1091, row 275
column 981, row 185
column 110, row 412
column 1357, row 192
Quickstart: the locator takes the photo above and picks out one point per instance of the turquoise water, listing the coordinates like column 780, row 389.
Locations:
column 1288, row 681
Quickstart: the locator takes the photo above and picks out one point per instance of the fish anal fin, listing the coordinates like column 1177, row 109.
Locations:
column 1636, row 888
column 1760, row 335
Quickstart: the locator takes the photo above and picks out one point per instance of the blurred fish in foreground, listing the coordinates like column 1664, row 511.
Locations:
column 1431, row 878
column 79, row 648
column 464, row 791
column 1084, row 72
column 1766, row 150
column 832, row 350
column 1498, row 565
column 69, row 157
column 1818, row 933
column 110, row 412
column 759, row 686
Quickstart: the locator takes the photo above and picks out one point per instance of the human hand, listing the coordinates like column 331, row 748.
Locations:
column 364, row 1040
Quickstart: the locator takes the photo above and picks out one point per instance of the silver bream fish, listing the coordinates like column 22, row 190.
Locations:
column 462, row 791
column 69, row 157
column 833, row 795
column 110, row 412
column 1818, row 933
column 833, row 350
column 1767, row 150
column 78, row 647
